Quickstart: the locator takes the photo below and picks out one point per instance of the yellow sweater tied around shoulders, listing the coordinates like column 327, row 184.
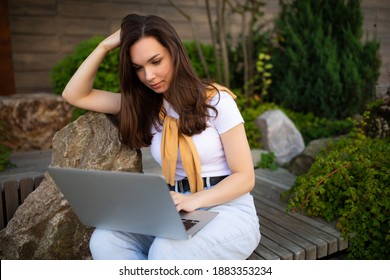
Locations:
column 173, row 140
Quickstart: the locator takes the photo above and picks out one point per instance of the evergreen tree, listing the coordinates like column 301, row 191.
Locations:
column 320, row 63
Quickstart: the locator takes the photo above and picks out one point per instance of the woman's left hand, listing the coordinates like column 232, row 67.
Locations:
column 185, row 202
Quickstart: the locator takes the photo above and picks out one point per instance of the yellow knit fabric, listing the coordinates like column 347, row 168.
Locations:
column 172, row 140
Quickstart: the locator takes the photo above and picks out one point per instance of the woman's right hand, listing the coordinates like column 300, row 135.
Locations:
column 113, row 41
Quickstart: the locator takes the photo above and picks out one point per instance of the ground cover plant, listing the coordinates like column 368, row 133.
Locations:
column 349, row 183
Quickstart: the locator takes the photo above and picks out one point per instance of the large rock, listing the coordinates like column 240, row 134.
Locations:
column 301, row 163
column 30, row 120
column 44, row 226
column 378, row 124
column 280, row 136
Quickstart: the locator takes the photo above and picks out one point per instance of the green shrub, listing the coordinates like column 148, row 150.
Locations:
column 320, row 63
column 267, row 161
column 312, row 127
column 208, row 54
column 350, row 182
column 106, row 77
column 5, row 150
column 5, row 153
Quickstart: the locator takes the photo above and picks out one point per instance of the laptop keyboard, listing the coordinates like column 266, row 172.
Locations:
column 188, row 223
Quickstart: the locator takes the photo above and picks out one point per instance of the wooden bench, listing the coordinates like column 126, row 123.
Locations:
column 13, row 194
column 17, row 183
column 289, row 236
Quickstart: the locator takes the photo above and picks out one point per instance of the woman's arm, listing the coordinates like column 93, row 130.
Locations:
column 241, row 180
column 79, row 90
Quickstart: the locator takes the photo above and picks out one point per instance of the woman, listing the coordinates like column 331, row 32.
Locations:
column 163, row 103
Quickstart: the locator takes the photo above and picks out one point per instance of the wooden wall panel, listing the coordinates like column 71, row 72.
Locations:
column 31, row 25
column 33, row 81
column 7, row 79
column 34, row 61
column 32, row 7
column 78, row 26
column 82, row 9
column 377, row 22
column 29, row 43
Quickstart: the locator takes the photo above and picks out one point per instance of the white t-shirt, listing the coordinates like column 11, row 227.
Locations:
column 208, row 143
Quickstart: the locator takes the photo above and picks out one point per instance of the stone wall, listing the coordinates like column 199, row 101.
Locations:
column 30, row 121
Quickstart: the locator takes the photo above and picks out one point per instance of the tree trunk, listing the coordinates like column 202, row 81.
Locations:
column 222, row 38
column 214, row 42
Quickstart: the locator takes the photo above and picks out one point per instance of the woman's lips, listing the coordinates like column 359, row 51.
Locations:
column 156, row 86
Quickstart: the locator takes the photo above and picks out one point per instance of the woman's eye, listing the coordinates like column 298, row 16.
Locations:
column 136, row 68
column 156, row 62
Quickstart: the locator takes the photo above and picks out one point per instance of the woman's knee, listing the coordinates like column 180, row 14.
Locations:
column 99, row 237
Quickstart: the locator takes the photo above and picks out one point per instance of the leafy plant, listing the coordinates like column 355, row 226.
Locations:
column 262, row 81
column 312, row 127
column 263, row 67
column 350, row 182
column 106, row 77
column 268, row 161
column 320, row 61
column 5, row 153
column 5, row 150
column 208, row 54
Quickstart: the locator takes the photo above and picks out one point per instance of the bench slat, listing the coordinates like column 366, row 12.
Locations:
column 283, row 253
column 26, row 186
column 11, row 198
column 2, row 209
column 279, row 176
column 265, row 253
column 255, row 256
column 298, row 252
column 37, row 181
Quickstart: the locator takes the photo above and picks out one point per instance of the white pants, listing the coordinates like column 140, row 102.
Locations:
column 233, row 234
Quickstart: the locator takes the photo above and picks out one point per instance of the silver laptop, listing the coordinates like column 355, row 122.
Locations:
column 126, row 201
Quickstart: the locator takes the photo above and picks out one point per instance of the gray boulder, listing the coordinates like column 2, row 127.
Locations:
column 44, row 226
column 280, row 136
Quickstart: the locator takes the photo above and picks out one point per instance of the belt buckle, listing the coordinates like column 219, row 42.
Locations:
column 180, row 186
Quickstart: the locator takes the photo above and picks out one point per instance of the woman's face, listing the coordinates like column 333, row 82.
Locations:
column 153, row 64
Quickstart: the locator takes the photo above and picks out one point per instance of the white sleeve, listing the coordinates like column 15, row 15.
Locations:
column 228, row 113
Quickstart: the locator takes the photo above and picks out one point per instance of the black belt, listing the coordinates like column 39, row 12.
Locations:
column 184, row 185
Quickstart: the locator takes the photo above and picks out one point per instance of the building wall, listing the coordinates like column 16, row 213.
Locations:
column 44, row 31
column 377, row 22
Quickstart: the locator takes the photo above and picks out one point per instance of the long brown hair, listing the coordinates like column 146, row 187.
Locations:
column 141, row 106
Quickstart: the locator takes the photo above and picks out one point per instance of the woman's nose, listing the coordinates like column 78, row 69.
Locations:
column 149, row 74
